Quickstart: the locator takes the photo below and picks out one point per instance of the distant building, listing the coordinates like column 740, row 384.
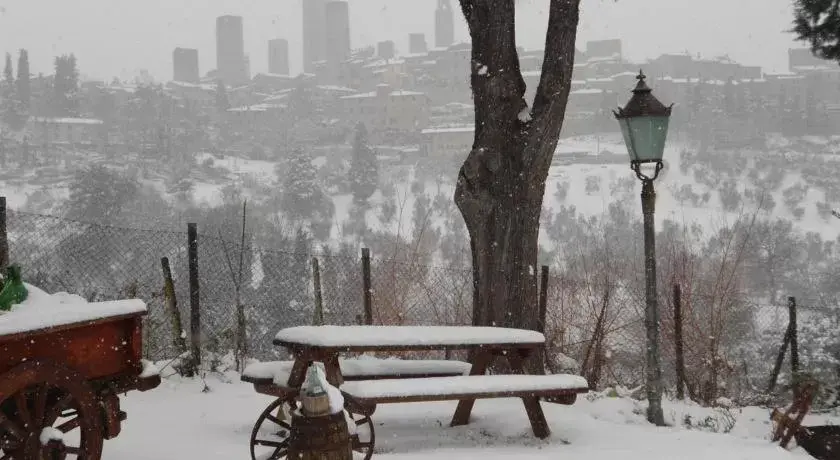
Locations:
column 444, row 24
column 278, row 56
column 600, row 49
column 185, row 65
column 417, row 44
column 68, row 131
column 314, row 37
column 231, row 63
column 448, row 142
column 802, row 59
column 388, row 110
column 386, row 49
column 337, row 14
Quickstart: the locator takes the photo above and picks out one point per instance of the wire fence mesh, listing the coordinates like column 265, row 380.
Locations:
column 592, row 327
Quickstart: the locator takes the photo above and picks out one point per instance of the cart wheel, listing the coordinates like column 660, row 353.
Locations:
column 363, row 438
column 270, row 436
column 48, row 412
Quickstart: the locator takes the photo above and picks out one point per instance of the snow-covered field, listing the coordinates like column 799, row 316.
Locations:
column 179, row 420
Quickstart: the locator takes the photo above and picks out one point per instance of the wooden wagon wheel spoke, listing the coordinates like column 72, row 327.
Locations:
column 277, row 421
column 363, row 444
column 267, row 443
column 69, row 425
column 272, row 449
column 22, row 409
column 12, row 428
column 34, row 395
column 39, row 403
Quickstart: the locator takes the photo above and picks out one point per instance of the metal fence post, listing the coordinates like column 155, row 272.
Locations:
column 195, row 311
column 318, row 317
column 366, row 285
column 4, row 236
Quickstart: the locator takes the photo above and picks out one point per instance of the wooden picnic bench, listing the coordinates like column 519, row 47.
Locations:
column 323, row 344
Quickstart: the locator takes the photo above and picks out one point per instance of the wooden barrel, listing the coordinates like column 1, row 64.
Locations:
column 321, row 438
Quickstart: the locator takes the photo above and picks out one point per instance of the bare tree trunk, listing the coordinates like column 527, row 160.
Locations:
column 179, row 335
column 501, row 184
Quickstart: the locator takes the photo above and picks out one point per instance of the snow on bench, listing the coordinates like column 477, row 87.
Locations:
column 278, row 372
column 463, row 387
column 380, row 337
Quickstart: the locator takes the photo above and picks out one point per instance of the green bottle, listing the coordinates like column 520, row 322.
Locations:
column 14, row 292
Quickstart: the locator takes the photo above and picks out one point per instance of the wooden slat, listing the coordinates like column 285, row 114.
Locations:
column 467, row 396
column 108, row 347
column 355, row 378
column 277, row 391
column 53, row 329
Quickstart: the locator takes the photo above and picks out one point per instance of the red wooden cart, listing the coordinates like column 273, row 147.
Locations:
column 60, row 380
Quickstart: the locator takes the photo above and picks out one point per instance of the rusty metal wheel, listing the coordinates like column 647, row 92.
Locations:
column 48, row 412
column 362, row 435
column 270, row 436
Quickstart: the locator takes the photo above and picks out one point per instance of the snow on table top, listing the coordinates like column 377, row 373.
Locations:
column 462, row 385
column 405, row 336
column 279, row 371
column 41, row 311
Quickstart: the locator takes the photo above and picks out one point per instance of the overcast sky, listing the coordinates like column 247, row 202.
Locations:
column 118, row 37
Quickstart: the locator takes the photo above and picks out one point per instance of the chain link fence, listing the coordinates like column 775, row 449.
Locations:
column 591, row 327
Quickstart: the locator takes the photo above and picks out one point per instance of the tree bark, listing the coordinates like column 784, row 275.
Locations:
column 501, row 184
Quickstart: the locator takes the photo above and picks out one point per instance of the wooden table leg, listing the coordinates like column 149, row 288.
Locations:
column 539, row 425
column 790, row 422
column 332, row 368
column 298, row 373
column 481, row 359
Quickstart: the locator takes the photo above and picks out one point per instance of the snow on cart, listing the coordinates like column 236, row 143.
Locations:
column 63, row 363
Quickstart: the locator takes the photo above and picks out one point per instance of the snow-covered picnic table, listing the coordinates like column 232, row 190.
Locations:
column 322, row 345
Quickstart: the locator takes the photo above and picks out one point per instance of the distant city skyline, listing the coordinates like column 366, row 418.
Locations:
column 124, row 37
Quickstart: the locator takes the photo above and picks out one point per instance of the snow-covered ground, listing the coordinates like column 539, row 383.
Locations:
column 179, row 420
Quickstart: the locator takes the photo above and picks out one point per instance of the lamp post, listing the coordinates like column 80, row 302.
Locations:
column 644, row 126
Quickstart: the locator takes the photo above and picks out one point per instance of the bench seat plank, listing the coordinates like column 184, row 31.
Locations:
column 463, row 387
column 278, row 372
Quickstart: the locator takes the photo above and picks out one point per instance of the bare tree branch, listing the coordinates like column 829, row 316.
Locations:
column 552, row 94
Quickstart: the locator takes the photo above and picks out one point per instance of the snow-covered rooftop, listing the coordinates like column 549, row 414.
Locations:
column 397, row 93
column 449, row 129
column 67, row 120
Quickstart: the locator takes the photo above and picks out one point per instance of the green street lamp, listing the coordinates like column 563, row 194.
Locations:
column 644, row 125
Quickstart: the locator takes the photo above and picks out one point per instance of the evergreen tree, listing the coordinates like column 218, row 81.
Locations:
column 222, row 101
column 10, row 110
column 301, row 191
column 363, row 174
column 99, row 194
column 303, row 199
column 24, row 85
column 818, row 23
column 8, row 72
column 66, row 87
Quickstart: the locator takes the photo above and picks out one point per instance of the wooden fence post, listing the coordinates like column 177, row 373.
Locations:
column 4, row 236
column 794, row 346
column 543, row 298
column 366, row 285
column 179, row 335
column 318, row 317
column 195, row 311
column 786, row 341
column 678, row 338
